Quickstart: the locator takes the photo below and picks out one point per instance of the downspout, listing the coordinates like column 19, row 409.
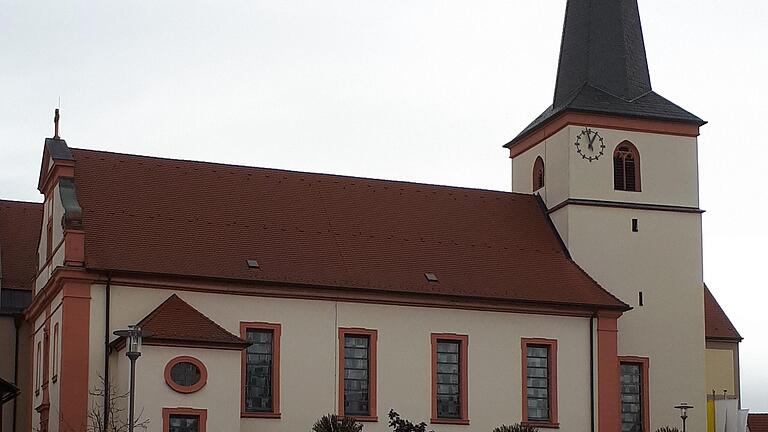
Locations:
column 107, row 301
column 592, row 369
column 17, row 323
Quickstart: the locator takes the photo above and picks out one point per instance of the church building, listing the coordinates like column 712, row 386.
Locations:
column 269, row 298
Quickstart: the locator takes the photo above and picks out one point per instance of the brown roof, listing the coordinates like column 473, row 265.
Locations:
column 757, row 422
column 20, row 224
column 176, row 322
column 716, row 322
column 164, row 216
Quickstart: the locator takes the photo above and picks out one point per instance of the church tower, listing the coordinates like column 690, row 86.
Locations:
column 616, row 165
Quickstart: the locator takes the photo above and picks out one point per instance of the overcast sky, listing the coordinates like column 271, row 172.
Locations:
column 420, row 90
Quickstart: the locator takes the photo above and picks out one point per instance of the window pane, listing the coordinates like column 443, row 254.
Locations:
column 631, row 398
column 258, row 371
column 356, row 375
column 185, row 374
column 448, row 379
column 183, row 423
column 537, row 372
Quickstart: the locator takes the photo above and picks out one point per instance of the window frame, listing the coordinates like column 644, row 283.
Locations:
column 552, row 391
column 644, row 364
column 373, row 336
column 636, row 155
column 276, row 329
column 185, row 389
column 202, row 414
column 539, row 172
column 463, row 341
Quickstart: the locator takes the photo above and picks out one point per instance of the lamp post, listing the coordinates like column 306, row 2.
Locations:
column 684, row 407
column 133, row 336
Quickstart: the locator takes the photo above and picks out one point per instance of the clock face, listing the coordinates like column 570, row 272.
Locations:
column 589, row 144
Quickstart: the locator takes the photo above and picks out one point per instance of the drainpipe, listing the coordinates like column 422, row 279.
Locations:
column 592, row 369
column 106, row 351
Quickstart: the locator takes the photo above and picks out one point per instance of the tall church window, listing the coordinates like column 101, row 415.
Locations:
column 634, row 394
column 539, row 382
column 626, row 168
column 357, row 370
column 449, row 379
column 261, row 370
column 538, row 174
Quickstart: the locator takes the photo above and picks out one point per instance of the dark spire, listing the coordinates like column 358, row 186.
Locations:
column 603, row 67
column 603, row 47
column 56, row 124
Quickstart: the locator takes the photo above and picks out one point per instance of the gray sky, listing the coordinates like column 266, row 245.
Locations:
column 424, row 90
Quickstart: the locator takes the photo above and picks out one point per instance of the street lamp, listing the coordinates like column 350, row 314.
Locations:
column 133, row 336
column 684, row 407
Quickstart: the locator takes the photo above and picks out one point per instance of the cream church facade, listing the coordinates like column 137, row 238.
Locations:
column 574, row 302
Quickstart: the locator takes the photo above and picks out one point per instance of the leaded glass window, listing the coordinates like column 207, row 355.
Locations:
column 537, row 383
column 258, row 370
column 357, row 352
column 185, row 374
column 183, row 423
column 631, row 397
column 448, row 379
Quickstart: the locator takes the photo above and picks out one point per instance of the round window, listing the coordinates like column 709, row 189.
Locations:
column 185, row 374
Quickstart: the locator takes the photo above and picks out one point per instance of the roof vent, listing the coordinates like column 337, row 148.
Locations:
column 252, row 263
column 431, row 277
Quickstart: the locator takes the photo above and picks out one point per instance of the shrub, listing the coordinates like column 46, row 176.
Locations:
column 515, row 428
column 334, row 423
column 399, row 425
column 667, row 429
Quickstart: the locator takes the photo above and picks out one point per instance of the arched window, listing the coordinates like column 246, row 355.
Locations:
column 538, row 174
column 626, row 168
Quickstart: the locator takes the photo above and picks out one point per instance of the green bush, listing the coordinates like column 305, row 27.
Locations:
column 334, row 423
column 667, row 429
column 399, row 425
column 517, row 427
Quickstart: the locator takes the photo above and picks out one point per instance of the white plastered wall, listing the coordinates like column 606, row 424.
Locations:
column 309, row 358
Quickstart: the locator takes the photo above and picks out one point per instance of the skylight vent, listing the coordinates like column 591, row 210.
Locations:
column 431, row 277
column 252, row 263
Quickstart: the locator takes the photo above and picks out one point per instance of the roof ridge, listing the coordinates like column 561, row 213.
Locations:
column 289, row 171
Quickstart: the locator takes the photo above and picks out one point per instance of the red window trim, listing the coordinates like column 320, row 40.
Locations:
column 552, row 345
column 636, row 155
column 276, row 331
column 186, row 389
column 200, row 413
column 538, row 174
column 372, row 372
column 464, row 386
column 644, row 363
column 55, row 360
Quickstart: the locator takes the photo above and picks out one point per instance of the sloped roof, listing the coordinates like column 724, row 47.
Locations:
column 717, row 325
column 603, row 68
column 176, row 322
column 757, row 422
column 20, row 225
column 174, row 217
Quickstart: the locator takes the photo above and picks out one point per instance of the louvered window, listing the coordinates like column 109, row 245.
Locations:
column 626, row 168
column 538, row 174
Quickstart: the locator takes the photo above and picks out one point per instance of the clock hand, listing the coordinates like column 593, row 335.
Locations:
column 591, row 137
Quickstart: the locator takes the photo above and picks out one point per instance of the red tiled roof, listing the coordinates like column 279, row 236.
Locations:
column 20, row 224
column 757, row 422
column 716, row 322
column 176, row 217
column 175, row 321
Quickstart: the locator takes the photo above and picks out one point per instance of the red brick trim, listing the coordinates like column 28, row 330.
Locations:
column 200, row 413
column 464, row 385
column 608, row 395
column 600, row 121
column 372, row 371
column 644, row 363
column 186, row 389
column 276, row 330
column 73, row 385
column 552, row 363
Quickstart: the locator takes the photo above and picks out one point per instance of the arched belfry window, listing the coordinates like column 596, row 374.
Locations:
column 626, row 167
column 538, row 174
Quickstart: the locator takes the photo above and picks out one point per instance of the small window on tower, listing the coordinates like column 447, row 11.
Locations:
column 538, row 174
column 626, row 168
